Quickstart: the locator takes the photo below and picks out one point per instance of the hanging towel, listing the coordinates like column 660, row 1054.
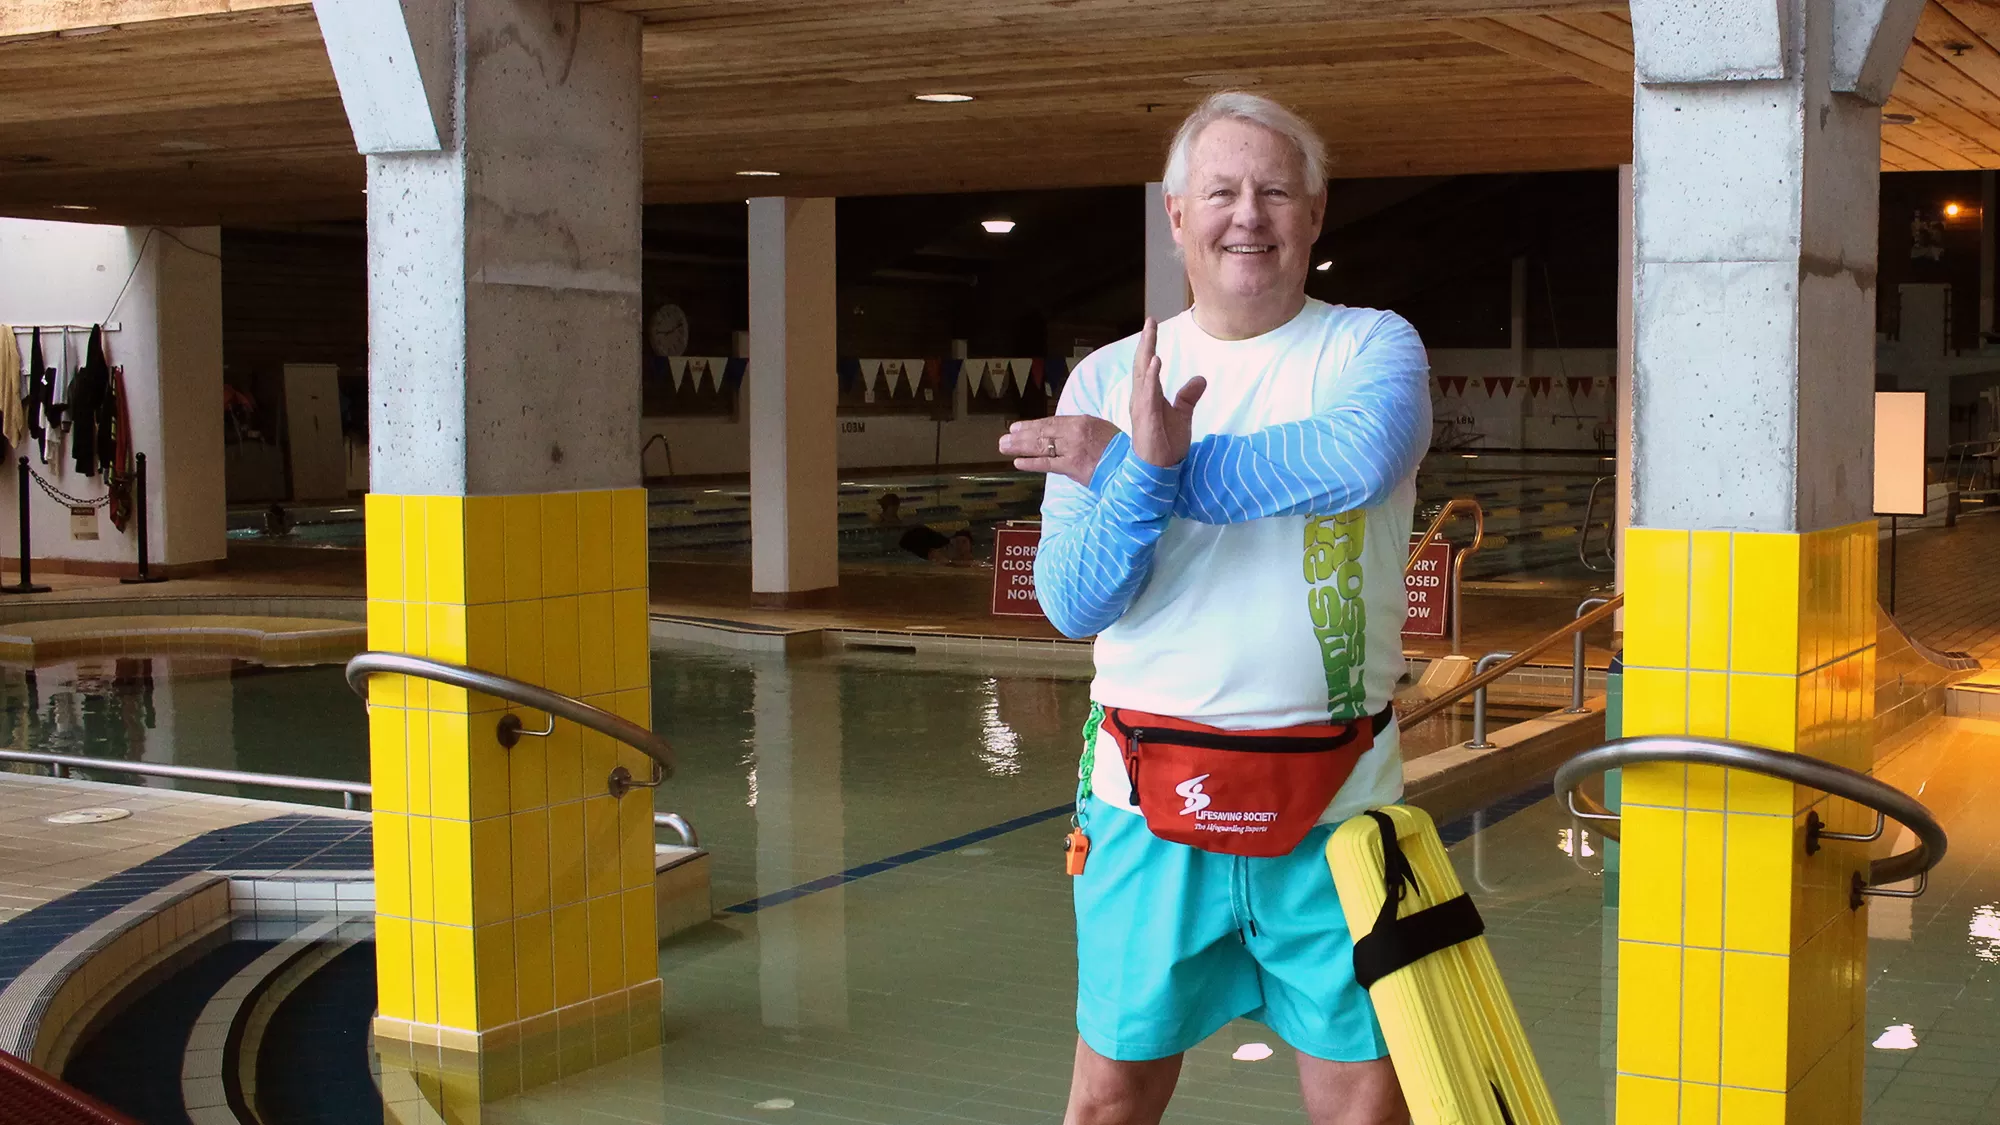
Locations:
column 31, row 393
column 119, row 470
column 13, row 414
column 93, row 443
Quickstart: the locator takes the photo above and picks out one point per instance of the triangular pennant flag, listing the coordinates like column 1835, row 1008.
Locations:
column 708, row 376
column 871, row 371
column 677, row 370
column 996, row 378
column 1539, row 384
column 1504, row 383
column 1018, row 370
column 1035, row 378
column 1452, row 384
column 1579, row 386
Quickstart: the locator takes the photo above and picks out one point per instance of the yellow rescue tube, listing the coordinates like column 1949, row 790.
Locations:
column 1458, row 1045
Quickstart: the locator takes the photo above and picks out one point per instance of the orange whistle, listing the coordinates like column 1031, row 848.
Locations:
column 1076, row 849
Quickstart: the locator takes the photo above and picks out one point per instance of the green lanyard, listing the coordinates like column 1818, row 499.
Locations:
column 1088, row 764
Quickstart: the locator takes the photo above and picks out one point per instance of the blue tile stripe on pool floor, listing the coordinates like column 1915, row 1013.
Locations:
column 295, row 842
column 900, row 859
column 1451, row 833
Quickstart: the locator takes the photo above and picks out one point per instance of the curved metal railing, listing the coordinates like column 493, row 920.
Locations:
column 1478, row 683
column 61, row 764
column 508, row 729
column 1886, row 800
column 1453, row 506
column 1583, row 532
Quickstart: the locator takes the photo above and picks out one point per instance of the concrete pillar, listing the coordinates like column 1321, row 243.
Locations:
column 168, row 340
column 1621, row 513
column 794, row 544
column 506, row 528
column 1750, row 562
column 1166, row 275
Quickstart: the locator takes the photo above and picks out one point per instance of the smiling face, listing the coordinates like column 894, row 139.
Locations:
column 1246, row 227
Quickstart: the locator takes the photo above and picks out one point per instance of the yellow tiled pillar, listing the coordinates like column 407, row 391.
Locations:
column 514, row 895
column 1741, row 964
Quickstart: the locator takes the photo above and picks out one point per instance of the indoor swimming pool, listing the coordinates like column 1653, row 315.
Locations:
column 892, row 939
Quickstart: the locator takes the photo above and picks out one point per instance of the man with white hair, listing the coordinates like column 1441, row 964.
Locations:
column 1228, row 510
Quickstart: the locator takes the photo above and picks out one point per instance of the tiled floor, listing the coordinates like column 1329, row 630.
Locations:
column 40, row 862
column 1946, row 592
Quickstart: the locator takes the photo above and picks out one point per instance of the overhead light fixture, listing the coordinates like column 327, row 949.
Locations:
column 755, row 172
column 944, row 97
column 74, row 207
column 1951, row 210
column 1324, row 266
column 1899, row 119
column 997, row 226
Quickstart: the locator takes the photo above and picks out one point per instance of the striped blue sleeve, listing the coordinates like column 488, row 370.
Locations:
column 1348, row 455
column 1097, row 542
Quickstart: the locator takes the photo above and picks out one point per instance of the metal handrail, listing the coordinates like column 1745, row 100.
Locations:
column 59, row 763
column 530, row 695
column 348, row 790
column 1576, row 669
column 1432, row 706
column 679, row 824
column 1478, row 741
column 1455, row 504
column 1583, row 533
column 1883, row 799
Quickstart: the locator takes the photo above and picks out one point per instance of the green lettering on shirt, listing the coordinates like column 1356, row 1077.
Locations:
column 1334, row 581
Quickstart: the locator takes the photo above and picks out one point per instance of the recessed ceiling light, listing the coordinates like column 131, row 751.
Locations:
column 755, row 172
column 944, row 97
column 997, row 226
column 1951, row 210
column 1324, row 266
column 74, row 207
column 1899, row 119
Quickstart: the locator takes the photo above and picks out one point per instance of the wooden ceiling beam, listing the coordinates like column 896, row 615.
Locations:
column 21, row 18
column 1522, row 44
column 717, row 14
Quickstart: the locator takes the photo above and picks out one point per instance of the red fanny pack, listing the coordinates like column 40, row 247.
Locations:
column 1253, row 793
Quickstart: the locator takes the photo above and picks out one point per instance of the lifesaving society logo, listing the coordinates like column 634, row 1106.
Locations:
column 1190, row 791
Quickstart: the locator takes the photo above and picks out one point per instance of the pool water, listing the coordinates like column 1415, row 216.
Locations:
column 193, row 711
column 932, row 981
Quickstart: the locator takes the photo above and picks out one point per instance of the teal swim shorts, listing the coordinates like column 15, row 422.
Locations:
column 1174, row 942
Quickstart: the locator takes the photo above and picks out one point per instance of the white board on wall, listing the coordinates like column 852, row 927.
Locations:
column 1899, row 453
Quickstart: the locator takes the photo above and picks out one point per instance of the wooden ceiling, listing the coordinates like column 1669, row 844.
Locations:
column 206, row 111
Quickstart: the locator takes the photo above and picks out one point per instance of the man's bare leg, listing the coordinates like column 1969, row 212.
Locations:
column 1108, row 1092
column 1348, row 1093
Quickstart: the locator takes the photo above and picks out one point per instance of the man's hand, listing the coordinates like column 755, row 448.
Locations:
column 1160, row 429
column 1069, row 444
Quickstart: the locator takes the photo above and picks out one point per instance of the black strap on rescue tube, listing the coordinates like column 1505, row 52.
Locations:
column 1397, row 943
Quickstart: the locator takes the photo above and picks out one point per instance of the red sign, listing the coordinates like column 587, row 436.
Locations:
column 1014, row 547
column 1427, row 585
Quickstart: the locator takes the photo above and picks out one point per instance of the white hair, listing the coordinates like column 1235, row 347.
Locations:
column 1236, row 105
